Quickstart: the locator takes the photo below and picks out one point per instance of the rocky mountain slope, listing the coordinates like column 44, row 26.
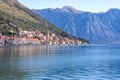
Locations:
column 95, row 27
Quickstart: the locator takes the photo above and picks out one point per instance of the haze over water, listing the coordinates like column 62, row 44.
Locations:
column 86, row 62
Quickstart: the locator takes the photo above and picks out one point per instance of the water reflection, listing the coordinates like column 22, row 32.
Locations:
column 16, row 61
column 17, row 51
column 60, row 63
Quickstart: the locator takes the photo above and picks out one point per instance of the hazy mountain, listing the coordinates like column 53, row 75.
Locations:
column 95, row 27
column 14, row 15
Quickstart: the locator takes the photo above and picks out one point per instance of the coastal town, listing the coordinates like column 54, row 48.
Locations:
column 36, row 37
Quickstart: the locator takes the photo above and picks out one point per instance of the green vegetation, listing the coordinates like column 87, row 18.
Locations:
column 22, row 17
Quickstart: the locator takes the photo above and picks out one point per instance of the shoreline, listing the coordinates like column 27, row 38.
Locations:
column 60, row 45
column 39, row 38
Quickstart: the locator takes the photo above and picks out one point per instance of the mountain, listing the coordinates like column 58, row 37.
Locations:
column 14, row 15
column 103, row 27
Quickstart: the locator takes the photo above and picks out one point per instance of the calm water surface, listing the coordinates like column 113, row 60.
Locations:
column 87, row 62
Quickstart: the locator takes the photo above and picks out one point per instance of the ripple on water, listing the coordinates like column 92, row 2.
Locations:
column 60, row 63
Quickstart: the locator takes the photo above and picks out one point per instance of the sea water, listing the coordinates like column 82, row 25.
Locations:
column 84, row 62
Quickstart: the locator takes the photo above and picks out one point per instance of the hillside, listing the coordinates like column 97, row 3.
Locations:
column 95, row 27
column 13, row 11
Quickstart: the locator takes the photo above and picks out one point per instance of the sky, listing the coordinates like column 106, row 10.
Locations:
column 83, row 5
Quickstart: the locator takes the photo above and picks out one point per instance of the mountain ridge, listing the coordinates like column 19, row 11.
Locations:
column 95, row 27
